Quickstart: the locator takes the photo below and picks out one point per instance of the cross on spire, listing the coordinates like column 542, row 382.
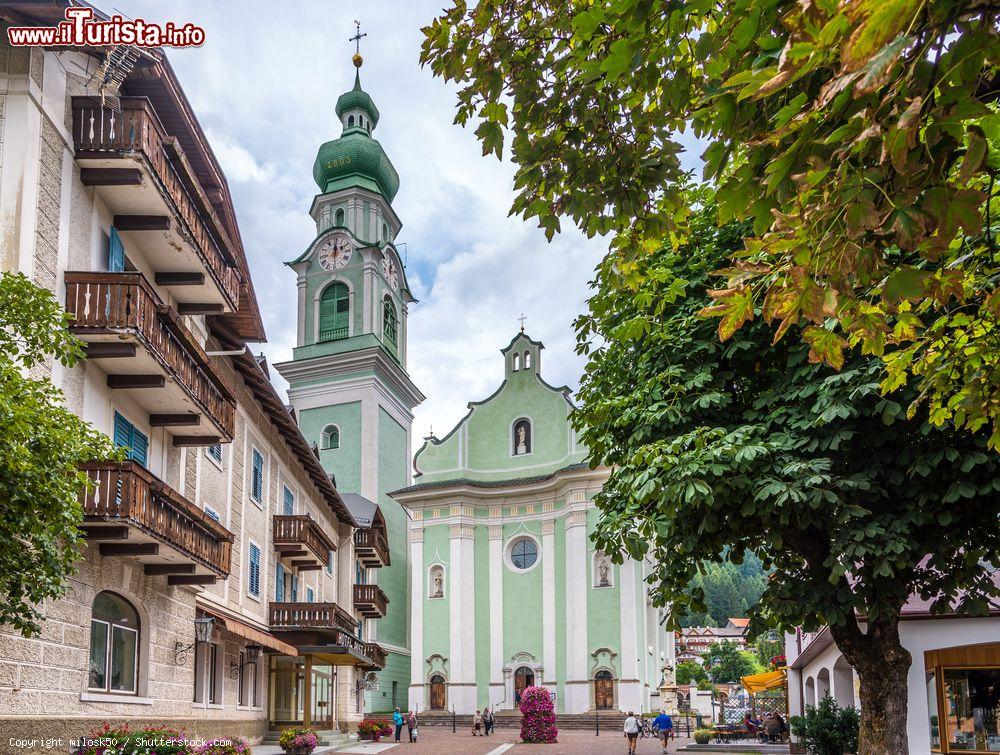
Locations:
column 522, row 318
column 356, row 39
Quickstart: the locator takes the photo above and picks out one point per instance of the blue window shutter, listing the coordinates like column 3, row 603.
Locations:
column 139, row 445
column 116, row 253
column 329, row 562
column 215, row 451
column 310, row 598
column 289, row 502
column 212, row 515
column 257, row 481
column 254, row 570
column 127, row 436
column 123, row 431
column 279, row 583
column 295, row 589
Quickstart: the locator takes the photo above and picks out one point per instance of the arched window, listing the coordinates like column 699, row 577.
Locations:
column 527, row 359
column 350, row 121
column 114, row 645
column 389, row 321
column 435, row 585
column 521, row 437
column 339, row 218
column 517, row 362
column 334, row 312
column 385, row 232
column 330, row 438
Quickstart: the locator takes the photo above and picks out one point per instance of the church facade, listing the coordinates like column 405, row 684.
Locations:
column 507, row 589
column 348, row 383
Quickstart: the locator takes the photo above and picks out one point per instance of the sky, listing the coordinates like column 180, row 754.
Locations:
column 264, row 86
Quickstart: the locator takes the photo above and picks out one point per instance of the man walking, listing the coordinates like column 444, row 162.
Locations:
column 487, row 721
column 397, row 720
column 665, row 726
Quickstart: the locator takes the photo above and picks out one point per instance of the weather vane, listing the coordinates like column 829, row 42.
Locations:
column 356, row 39
column 522, row 318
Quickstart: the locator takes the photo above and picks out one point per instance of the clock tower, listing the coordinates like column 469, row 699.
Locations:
column 347, row 378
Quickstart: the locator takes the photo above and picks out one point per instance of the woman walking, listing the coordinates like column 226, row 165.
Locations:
column 631, row 731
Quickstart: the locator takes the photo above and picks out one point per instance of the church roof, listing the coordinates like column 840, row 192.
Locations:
column 488, row 483
column 357, row 98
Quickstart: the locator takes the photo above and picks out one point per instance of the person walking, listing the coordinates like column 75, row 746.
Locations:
column 411, row 725
column 665, row 727
column 397, row 721
column 488, row 721
column 631, row 729
column 477, row 724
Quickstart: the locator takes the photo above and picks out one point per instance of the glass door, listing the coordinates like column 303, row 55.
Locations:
column 285, row 698
column 323, row 682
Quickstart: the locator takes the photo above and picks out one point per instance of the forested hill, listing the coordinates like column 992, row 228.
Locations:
column 730, row 590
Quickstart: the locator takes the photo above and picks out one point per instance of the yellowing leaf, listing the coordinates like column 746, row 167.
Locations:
column 825, row 347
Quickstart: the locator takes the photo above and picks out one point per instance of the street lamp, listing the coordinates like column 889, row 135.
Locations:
column 202, row 635
column 251, row 653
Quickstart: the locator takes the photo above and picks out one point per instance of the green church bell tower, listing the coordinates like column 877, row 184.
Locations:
column 347, row 378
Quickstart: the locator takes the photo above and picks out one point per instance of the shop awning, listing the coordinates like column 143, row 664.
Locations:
column 762, row 682
column 247, row 632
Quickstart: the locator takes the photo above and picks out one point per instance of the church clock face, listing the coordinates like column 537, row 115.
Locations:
column 335, row 252
column 389, row 271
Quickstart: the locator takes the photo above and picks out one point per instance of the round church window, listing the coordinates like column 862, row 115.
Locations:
column 523, row 553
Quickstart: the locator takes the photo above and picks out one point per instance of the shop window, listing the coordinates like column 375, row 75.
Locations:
column 971, row 697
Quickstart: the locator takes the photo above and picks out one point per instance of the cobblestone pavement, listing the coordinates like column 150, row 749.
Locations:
column 434, row 741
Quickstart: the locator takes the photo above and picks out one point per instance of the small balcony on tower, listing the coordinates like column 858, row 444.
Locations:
column 300, row 538
column 131, row 513
column 147, row 352
column 370, row 601
column 166, row 221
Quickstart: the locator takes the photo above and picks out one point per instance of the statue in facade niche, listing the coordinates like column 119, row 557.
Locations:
column 438, row 584
column 604, row 572
column 522, row 437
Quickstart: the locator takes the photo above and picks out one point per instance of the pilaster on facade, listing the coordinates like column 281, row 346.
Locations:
column 495, row 532
column 548, row 603
column 577, row 677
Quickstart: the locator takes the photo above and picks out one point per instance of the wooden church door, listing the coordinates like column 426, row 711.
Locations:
column 604, row 691
column 438, row 701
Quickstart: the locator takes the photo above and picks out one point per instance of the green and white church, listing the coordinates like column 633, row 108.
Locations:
column 507, row 589
column 348, row 382
column 493, row 583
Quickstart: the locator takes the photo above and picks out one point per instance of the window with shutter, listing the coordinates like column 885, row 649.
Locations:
column 127, row 436
column 334, row 313
column 289, row 502
column 253, row 586
column 116, row 253
column 257, row 477
column 310, row 596
column 295, row 589
column 279, row 583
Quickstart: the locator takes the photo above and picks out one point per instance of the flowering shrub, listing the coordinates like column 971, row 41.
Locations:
column 121, row 740
column 373, row 728
column 234, row 746
column 778, row 661
column 538, row 719
column 298, row 739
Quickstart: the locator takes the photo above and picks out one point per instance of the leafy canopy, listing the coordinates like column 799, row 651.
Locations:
column 858, row 138
column 41, row 444
column 689, row 672
column 723, row 449
column 727, row 663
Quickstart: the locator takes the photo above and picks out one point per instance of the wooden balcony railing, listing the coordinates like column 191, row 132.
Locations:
column 288, row 616
column 377, row 654
column 302, row 530
column 129, row 494
column 104, row 303
column 371, row 547
column 100, row 132
column 370, row 601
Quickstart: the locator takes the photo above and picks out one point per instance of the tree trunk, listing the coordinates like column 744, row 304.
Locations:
column 882, row 664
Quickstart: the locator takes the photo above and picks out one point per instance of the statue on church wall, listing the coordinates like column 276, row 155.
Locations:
column 604, row 572
column 522, row 437
column 437, row 582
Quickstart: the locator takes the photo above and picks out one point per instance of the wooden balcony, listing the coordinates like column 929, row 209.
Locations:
column 371, row 547
column 132, row 513
column 160, row 209
column 145, row 349
column 310, row 616
column 377, row 654
column 370, row 601
column 301, row 539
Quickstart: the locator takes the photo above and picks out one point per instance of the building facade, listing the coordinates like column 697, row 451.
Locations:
column 218, row 585
column 507, row 590
column 347, row 377
column 695, row 641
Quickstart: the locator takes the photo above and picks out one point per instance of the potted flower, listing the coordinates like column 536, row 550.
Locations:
column 233, row 746
column 298, row 741
column 125, row 741
column 371, row 729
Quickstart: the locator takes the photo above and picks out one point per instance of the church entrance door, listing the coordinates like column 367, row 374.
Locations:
column 604, row 691
column 438, row 701
column 524, row 677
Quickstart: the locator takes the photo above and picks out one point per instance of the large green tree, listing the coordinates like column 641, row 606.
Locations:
column 854, row 135
column 41, row 446
column 727, row 663
column 723, row 449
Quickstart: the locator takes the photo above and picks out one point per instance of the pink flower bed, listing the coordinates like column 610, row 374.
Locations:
column 538, row 718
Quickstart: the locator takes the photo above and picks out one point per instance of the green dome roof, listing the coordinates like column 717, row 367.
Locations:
column 355, row 159
column 357, row 98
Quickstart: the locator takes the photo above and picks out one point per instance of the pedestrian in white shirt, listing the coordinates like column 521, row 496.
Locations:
column 631, row 731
